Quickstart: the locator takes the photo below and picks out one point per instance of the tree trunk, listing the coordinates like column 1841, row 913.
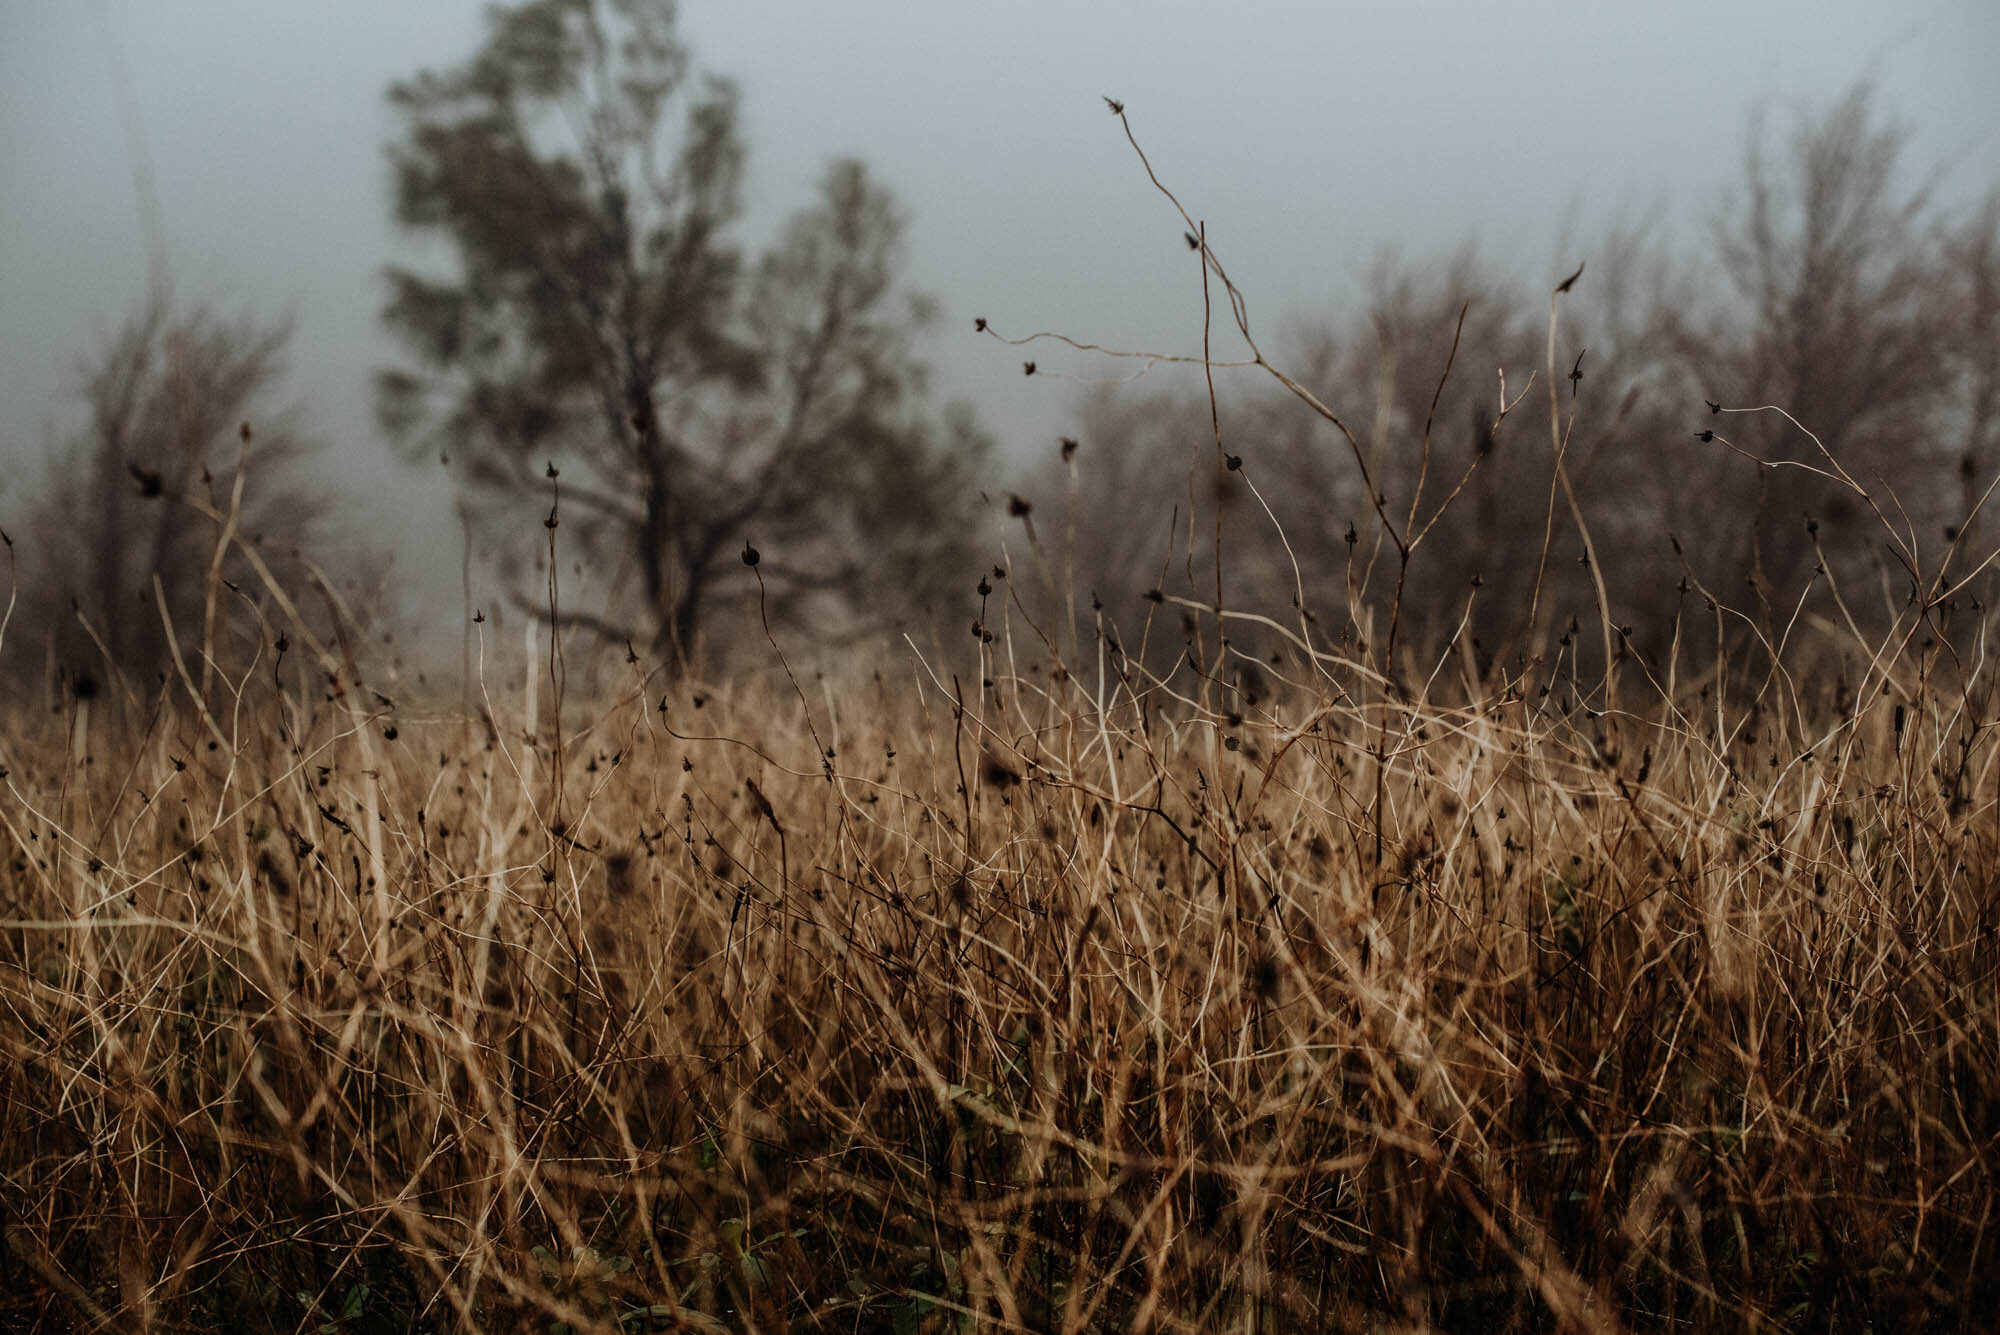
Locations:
column 665, row 602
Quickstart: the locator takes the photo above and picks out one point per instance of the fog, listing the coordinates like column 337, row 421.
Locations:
column 1310, row 138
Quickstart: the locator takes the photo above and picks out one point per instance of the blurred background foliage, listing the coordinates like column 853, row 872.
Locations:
column 627, row 395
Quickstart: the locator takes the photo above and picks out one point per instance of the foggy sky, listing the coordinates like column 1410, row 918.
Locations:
column 1310, row 137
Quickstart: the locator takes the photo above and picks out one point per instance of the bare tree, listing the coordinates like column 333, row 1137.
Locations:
column 132, row 500
column 1830, row 287
column 598, row 323
column 1416, row 372
column 1837, row 310
column 1972, row 359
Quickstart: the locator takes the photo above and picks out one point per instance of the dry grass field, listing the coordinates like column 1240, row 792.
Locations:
column 1078, row 1000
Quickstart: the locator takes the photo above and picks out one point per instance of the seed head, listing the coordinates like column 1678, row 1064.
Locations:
column 998, row 773
column 1261, row 978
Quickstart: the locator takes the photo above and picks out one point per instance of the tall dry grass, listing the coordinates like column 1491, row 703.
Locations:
column 1066, row 1003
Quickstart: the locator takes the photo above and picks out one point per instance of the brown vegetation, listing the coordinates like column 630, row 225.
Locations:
column 1068, row 1001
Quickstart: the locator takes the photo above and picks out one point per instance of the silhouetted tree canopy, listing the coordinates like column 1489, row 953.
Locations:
column 598, row 317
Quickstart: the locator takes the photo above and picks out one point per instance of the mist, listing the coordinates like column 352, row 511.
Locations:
column 242, row 145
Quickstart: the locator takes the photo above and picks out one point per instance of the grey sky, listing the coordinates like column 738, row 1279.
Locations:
column 1309, row 136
